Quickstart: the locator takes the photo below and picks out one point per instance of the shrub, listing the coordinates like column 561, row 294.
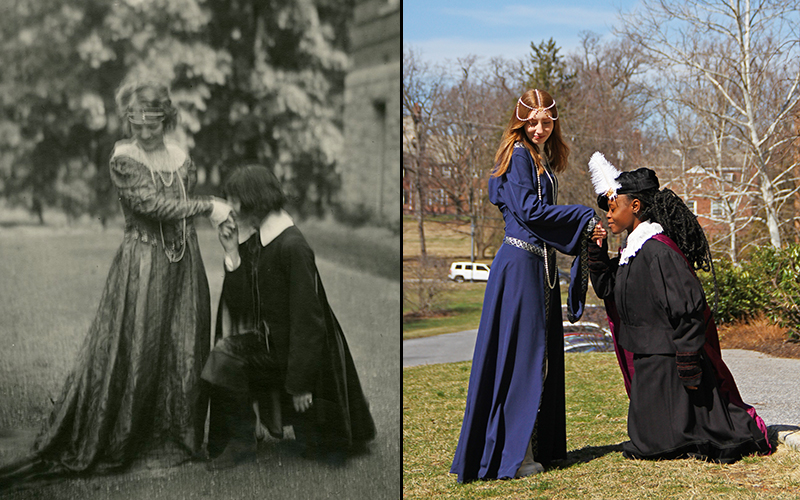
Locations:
column 738, row 292
column 779, row 274
column 423, row 285
column 768, row 283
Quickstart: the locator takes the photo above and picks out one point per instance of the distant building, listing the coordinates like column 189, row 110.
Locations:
column 445, row 186
column 714, row 196
column 370, row 164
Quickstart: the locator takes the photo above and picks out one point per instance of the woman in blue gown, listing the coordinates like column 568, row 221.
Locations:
column 514, row 419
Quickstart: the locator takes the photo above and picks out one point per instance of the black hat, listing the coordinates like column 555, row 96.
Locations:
column 635, row 181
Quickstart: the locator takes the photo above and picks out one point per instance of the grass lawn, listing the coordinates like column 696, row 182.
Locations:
column 461, row 310
column 51, row 284
column 444, row 237
column 433, row 404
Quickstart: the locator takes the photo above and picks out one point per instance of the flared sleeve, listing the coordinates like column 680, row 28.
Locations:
column 566, row 228
column 306, row 318
column 560, row 226
column 138, row 192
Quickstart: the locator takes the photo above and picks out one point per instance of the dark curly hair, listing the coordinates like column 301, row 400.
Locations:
column 679, row 223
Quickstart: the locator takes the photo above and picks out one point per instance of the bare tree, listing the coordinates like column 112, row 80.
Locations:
column 604, row 111
column 713, row 165
column 469, row 124
column 748, row 52
column 422, row 86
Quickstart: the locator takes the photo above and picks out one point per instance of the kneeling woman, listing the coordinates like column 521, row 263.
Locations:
column 279, row 342
column 683, row 400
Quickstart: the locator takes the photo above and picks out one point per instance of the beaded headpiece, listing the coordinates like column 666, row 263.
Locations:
column 537, row 109
column 141, row 116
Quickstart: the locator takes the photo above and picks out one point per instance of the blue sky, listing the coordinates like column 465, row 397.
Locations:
column 449, row 29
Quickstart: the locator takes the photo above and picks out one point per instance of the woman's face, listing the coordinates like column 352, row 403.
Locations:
column 539, row 126
column 149, row 136
column 621, row 214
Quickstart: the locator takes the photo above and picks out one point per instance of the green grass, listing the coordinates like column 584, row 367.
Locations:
column 461, row 310
column 596, row 404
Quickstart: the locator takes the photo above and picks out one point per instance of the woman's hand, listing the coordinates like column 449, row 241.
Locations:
column 599, row 234
column 229, row 236
column 220, row 211
column 302, row 402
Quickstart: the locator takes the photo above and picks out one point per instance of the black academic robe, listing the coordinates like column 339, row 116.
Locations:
column 277, row 290
column 660, row 312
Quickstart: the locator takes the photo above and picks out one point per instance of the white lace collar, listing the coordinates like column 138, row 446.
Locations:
column 174, row 156
column 272, row 226
column 643, row 232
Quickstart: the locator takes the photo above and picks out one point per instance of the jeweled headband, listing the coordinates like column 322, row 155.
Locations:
column 538, row 109
column 141, row 116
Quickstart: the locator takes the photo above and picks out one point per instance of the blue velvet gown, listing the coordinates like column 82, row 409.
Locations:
column 511, row 387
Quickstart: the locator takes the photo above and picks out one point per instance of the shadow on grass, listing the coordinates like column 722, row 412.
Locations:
column 586, row 455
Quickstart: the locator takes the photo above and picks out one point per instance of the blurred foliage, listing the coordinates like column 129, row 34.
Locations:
column 255, row 82
column 769, row 282
column 737, row 292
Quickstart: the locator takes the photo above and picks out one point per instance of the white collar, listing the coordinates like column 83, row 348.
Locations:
column 643, row 232
column 272, row 226
column 176, row 154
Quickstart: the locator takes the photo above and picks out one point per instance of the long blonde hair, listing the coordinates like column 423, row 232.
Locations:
column 555, row 148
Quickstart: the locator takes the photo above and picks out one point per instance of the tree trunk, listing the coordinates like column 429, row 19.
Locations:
column 768, row 194
column 423, row 254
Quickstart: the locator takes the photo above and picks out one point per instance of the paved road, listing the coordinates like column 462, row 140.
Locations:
column 766, row 382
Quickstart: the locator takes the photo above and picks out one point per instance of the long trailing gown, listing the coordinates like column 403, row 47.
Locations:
column 656, row 309
column 516, row 386
column 134, row 391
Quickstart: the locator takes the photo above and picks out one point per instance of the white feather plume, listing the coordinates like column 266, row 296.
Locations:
column 604, row 175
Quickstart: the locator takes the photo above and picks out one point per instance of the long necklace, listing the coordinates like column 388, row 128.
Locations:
column 544, row 245
column 171, row 255
column 161, row 161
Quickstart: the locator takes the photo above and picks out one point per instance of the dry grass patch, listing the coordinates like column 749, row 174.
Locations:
column 758, row 334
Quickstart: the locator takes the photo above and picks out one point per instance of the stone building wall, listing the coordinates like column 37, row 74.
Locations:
column 370, row 162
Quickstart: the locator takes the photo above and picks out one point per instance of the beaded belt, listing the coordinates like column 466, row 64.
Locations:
column 514, row 242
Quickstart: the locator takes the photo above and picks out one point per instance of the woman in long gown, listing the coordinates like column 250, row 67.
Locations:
column 683, row 399
column 515, row 416
column 134, row 391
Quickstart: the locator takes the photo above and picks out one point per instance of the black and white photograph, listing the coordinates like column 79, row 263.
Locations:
column 200, row 253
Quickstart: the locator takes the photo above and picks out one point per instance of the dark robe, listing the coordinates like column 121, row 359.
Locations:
column 656, row 310
column 516, row 386
column 278, row 337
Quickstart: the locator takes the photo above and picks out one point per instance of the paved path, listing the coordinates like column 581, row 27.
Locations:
column 766, row 382
column 445, row 348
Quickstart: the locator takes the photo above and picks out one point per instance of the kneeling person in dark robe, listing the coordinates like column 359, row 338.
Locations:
column 683, row 399
column 278, row 343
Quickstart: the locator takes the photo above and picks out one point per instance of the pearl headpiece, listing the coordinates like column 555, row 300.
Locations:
column 537, row 109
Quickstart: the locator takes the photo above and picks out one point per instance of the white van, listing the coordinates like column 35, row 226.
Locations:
column 464, row 271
